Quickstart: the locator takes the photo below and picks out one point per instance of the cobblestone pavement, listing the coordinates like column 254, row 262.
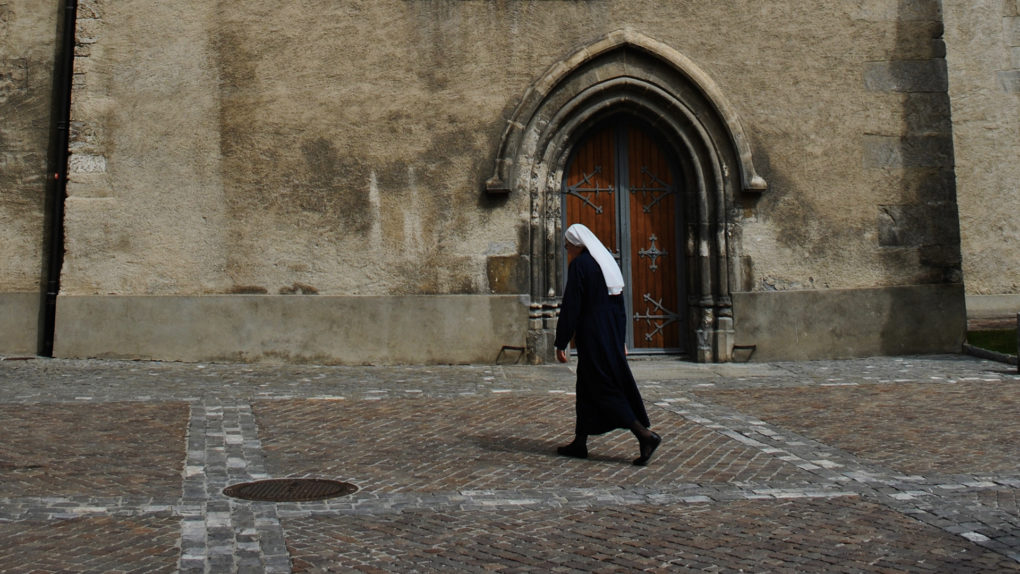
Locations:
column 879, row 465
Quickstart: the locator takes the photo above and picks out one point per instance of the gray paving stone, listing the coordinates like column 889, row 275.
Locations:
column 820, row 489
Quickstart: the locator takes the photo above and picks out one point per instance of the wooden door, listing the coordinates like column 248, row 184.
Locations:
column 620, row 183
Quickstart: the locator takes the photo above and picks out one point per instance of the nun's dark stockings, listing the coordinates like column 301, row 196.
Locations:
column 648, row 441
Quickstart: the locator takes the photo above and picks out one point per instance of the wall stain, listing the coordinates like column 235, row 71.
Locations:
column 247, row 290
column 299, row 289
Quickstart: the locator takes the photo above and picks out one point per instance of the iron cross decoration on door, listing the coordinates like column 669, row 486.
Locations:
column 652, row 253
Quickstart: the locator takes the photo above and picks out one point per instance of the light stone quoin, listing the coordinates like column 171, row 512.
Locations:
column 81, row 164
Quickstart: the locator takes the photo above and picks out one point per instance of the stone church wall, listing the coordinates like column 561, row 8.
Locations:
column 28, row 43
column 305, row 181
column 984, row 83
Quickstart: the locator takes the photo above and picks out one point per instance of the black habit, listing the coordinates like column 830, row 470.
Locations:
column 607, row 396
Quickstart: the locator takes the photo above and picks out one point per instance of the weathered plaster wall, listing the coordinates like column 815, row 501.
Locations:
column 28, row 39
column 984, row 79
column 843, row 103
column 339, row 147
column 146, row 211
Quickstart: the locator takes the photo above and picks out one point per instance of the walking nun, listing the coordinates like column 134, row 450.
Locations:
column 593, row 314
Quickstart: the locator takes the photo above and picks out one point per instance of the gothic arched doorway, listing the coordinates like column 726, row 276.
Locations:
column 657, row 92
column 621, row 183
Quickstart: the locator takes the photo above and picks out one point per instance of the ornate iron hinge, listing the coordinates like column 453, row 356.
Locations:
column 576, row 190
column 665, row 315
column 661, row 188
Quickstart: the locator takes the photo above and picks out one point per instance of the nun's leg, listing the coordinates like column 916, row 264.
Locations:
column 648, row 441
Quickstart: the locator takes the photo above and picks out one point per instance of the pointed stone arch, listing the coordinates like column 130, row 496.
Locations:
column 629, row 74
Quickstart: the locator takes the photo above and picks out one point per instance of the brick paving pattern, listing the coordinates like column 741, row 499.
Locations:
column 841, row 535
column 113, row 449
column 97, row 544
column 878, row 465
column 484, row 443
column 916, row 428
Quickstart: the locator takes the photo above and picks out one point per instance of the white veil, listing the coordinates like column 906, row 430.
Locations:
column 578, row 234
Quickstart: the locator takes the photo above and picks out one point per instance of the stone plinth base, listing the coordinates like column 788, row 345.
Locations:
column 291, row 328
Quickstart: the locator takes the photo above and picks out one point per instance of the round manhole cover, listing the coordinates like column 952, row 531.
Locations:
column 290, row 489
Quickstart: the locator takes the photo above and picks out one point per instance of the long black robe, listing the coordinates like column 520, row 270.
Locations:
column 607, row 396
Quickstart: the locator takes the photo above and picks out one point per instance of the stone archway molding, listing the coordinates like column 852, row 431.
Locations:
column 513, row 135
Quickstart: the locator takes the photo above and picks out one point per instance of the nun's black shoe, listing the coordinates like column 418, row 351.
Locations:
column 648, row 447
column 574, row 450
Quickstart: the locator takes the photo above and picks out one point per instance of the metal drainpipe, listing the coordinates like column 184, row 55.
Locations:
column 65, row 77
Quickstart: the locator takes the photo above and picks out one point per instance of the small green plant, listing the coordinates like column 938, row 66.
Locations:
column 1000, row 341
